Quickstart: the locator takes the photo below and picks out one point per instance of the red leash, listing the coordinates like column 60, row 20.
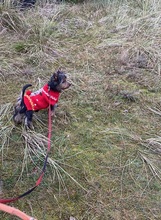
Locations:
column 43, row 169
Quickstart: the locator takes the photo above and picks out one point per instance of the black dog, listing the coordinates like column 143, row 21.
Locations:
column 27, row 3
column 31, row 3
column 47, row 96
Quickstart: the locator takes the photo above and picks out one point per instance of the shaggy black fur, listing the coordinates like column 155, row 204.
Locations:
column 27, row 3
column 31, row 3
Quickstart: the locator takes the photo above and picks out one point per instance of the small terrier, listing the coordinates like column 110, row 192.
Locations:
column 47, row 96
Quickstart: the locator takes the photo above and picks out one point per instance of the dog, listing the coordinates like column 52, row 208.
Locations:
column 46, row 97
column 31, row 3
column 27, row 3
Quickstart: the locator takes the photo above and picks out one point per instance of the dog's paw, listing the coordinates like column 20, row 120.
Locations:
column 28, row 124
column 53, row 114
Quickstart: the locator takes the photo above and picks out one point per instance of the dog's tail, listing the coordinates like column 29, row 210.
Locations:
column 23, row 92
column 24, row 89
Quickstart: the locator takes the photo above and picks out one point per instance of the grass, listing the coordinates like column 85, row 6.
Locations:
column 104, row 161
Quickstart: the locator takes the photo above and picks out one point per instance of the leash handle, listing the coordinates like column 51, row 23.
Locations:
column 16, row 212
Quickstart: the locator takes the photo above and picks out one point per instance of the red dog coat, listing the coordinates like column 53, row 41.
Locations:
column 40, row 99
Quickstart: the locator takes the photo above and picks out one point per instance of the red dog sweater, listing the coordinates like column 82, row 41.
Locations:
column 40, row 99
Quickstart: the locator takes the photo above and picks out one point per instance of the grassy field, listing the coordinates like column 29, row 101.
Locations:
column 105, row 159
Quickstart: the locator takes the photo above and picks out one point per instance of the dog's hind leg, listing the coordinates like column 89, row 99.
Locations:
column 18, row 118
column 20, row 108
column 19, row 114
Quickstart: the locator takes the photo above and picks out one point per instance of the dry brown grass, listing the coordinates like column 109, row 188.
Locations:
column 105, row 156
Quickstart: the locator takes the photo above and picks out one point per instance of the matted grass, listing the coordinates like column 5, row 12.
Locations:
column 105, row 153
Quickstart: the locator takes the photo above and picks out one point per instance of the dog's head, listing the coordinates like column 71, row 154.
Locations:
column 58, row 81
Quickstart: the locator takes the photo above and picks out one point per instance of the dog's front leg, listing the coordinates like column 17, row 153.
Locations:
column 53, row 108
column 28, row 119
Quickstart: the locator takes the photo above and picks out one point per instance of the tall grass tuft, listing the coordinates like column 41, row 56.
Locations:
column 6, row 127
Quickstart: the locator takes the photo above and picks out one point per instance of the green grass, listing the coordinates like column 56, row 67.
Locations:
column 104, row 161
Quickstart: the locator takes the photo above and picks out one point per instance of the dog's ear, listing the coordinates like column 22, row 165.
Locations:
column 53, row 81
column 55, row 76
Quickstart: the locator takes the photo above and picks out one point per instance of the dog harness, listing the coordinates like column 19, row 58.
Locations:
column 41, row 99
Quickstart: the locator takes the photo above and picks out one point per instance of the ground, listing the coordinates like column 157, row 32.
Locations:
column 104, row 161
